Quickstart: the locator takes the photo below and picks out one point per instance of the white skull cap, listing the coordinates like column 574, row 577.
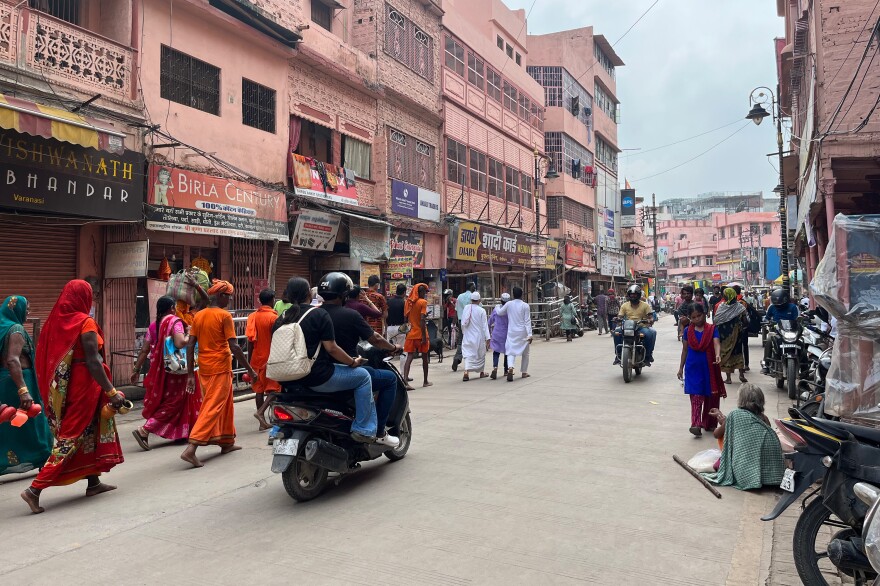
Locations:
column 505, row 296
column 475, row 296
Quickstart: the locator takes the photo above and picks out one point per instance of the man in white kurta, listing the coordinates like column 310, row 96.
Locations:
column 474, row 337
column 519, row 332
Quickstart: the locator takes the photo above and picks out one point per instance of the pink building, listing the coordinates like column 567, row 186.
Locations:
column 742, row 238
column 687, row 250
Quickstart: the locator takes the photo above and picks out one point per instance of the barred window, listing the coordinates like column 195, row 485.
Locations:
column 454, row 56
column 410, row 160
column 478, row 170
column 257, row 105
column 189, row 81
column 322, row 15
column 493, row 84
column 67, row 10
column 475, row 70
column 527, row 193
column 409, row 44
column 563, row 208
column 603, row 60
column 562, row 90
column 605, row 103
column 512, row 185
column 496, row 178
column 606, row 154
column 565, row 150
column 510, row 98
column 456, row 162
column 525, row 105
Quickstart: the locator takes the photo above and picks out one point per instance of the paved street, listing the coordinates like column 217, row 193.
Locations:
column 563, row 478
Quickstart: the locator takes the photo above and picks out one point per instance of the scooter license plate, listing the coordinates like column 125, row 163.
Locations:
column 787, row 480
column 285, row 447
column 788, row 346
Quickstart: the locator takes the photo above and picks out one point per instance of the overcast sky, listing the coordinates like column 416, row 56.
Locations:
column 690, row 65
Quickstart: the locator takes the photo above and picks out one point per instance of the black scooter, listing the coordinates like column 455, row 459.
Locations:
column 314, row 437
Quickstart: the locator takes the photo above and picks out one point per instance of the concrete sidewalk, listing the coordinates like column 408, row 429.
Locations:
column 566, row 477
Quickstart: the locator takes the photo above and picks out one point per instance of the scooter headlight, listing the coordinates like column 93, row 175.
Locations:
column 789, row 336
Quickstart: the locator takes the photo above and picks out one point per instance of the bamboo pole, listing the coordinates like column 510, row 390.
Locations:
column 696, row 475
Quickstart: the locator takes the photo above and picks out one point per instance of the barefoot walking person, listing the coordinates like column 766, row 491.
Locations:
column 519, row 332
column 259, row 335
column 700, row 369
column 475, row 338
column 169, row 409
column 75, row 388
column 416, row 311
column 27, row 447
column 214, row 332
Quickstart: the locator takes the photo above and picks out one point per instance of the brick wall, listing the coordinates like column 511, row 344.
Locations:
column 287, row 13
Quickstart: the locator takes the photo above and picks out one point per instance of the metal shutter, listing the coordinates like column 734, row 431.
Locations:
column 290, row 265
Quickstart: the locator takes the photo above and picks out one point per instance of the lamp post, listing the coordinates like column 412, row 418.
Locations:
column 757, row 100
column 540, row 161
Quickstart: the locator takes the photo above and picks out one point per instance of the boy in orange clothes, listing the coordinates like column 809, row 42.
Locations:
column 416, row 311
column 259, row 334
column 214, row 331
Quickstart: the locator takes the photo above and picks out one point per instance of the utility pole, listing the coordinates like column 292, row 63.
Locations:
column 654, row 231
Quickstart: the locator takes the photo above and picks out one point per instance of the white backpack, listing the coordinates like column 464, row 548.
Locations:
column 288, row 357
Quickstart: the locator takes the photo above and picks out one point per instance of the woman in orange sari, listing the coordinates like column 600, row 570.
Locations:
column 75, row 387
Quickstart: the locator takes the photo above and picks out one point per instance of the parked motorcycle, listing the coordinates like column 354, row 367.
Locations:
column 788, row 356
column 811, row 387
column 589, row 318
column 632, row 350
column 314, row 437
column 841, row 455
column 870, row 495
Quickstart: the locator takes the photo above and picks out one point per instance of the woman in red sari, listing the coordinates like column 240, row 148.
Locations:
column 169, row 409
column 74, row 386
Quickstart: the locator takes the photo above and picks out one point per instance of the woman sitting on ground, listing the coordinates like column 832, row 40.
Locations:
column 751, row 456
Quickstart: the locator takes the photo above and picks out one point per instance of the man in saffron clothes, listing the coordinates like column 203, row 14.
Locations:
column 213, row 330
column 75, row 388
column 259, row 334
column 700, row 369
column 416, row 311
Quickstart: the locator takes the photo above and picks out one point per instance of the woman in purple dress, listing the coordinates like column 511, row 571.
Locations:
column 498, row 327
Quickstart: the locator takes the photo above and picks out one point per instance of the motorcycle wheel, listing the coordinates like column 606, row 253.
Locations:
column 791, row 374
column 626, row 363
column 812, row 564
column 404, row 434
column 304, row 481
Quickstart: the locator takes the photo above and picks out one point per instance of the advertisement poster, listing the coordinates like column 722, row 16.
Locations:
column 628, row 208
column 552, row 253
column 47, row 175
column 196, row 203
column 126, row 259
column 613, row 265
column 414, row 202
column 367, row 271
column 476, row 242
column 315, row 230
column 400, row 268
column 323, row 181
column 574, row 254
column 409, row 244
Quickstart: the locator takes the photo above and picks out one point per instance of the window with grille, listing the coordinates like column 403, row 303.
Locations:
column 606, row 154
column 527, row 193
column 409, row 44
column 603, row 60
column 322, row 15
column 189, row 81
column 561, row 89
column 454, row 56
column 512, row 185
column 456, row 162
column 562, row 208
column 605, row 103
column 525, row 105
column 565, row 150
column 410, row 160
column 478, row 170
column 257, row 105
column 510, row 98
column 475, row 71
column 496, row 178
column 493, row 84
column 66, row 10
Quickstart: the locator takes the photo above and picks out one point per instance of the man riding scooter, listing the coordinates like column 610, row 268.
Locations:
column 642, row 313
column 781, row 308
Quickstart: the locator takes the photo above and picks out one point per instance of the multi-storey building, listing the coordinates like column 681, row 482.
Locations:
column 835, row 127
column 577, row 72
column 493, row 125
column 743, row 240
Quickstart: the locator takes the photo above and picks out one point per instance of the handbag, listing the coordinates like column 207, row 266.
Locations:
column 181, row 288
column 174, row 358
column 289, row 358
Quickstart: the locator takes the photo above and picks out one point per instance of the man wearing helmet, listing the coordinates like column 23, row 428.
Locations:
column 349, row 328
column 781, row 308
column 642, row 313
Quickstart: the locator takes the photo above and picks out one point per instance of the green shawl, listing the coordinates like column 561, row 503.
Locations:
column 752, row 456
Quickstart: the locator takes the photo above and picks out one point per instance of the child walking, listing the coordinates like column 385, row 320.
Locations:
column 700, row 370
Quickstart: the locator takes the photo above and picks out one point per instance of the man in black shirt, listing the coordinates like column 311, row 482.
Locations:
column 349, row 328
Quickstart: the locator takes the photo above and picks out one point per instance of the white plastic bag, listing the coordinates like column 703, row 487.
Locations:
column 705, row 461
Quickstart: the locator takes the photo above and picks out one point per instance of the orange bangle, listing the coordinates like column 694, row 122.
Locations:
column 111, row 393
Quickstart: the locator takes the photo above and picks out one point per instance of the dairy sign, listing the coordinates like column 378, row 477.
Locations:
column 479, row 243
column 196, row 203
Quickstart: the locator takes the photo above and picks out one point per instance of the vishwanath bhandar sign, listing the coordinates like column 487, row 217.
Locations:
column 49, row 176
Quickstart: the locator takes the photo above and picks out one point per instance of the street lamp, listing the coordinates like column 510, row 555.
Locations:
column 760, row 97
column 540, row 161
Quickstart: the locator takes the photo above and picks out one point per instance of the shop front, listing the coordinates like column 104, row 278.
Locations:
column 416, row 257
column 579, row 265
column 497, row 260
column 362, row 244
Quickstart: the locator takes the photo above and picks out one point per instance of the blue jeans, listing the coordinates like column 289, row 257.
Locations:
column 385, row 384
column 650, row 340
column 347, row 378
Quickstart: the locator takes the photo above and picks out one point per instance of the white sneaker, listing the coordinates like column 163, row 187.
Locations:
column 388, row 440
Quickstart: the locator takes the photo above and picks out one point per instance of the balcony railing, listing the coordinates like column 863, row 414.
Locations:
column 60, row 50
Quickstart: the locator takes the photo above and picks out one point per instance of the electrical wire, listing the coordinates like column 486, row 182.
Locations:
column 856, row 42
column 858, row 89
column 634, row 154
column 711, row 148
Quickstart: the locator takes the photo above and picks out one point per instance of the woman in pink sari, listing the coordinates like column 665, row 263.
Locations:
column 169, row 409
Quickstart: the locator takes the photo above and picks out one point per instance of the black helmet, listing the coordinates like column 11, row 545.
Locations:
column 634, row 290
column 335, row 285
column 779, row 297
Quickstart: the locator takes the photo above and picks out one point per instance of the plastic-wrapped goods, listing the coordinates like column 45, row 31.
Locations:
column 847, row 284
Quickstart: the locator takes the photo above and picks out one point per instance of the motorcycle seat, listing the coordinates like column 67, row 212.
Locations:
column 299, row 392
column 866, row 434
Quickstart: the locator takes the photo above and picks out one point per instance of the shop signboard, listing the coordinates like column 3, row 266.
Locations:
column 477, row 243
column 126, row 259
column 574, row 254
column 195, row 203
column 323, row 181
column 49, row 176
column 552, row 253
column 368, row 270
column 400, row 268
column 315, row 230
column 627, row 208
column 409, row 244
column 662, row 256
column 415, row 202
column 613, row 264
